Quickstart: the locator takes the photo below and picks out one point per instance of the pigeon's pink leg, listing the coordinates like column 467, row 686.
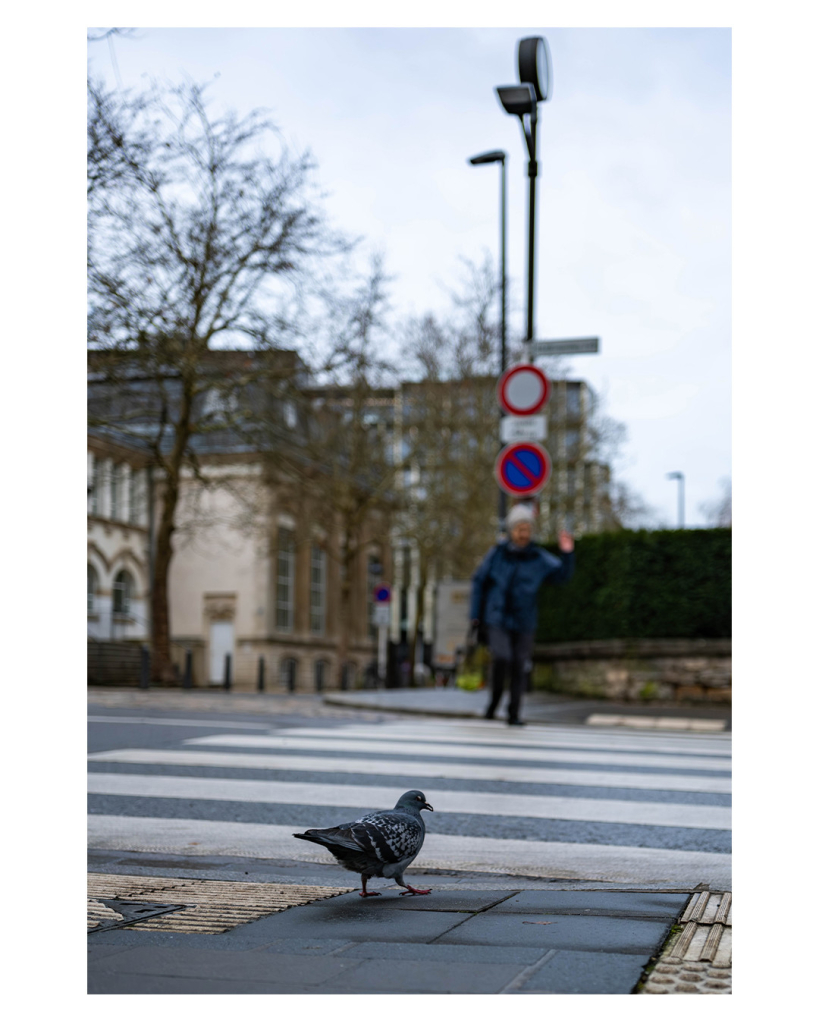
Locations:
column 364, row 888
column 415, row 892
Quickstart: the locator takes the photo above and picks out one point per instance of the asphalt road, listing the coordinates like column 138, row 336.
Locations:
column 181, row 790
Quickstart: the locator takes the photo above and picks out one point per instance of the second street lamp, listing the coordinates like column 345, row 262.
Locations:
column 498, row 156
column 680, row 477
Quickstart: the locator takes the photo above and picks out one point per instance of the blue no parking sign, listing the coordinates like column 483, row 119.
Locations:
column 522, row 469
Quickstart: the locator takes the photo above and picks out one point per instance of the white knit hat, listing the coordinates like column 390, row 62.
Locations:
column 519, row 514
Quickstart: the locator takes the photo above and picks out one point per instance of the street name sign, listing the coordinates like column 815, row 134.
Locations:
column 522, row 469
column 523, row 428
column 565, row 347
column 523, row 390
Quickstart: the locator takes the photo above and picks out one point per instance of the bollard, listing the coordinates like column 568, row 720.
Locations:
column 260, row 685
column 227, row 671
column 144, row 667
column 187, row 679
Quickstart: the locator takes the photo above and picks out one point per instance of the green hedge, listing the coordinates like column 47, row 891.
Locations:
column 634, row 584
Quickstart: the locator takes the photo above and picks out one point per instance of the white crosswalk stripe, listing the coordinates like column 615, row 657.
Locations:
column 560, row 776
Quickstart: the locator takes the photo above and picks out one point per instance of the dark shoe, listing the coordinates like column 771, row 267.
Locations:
column 516, row 721
column 489, row 714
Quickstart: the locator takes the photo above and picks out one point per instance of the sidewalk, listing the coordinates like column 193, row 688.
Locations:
column 467, row 941
column 539, row 708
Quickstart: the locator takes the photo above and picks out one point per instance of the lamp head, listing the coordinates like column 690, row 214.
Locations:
column 535, row 66
column 495, row 156
column 518, row 99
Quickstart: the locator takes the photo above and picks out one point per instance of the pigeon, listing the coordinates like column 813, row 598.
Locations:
column 381, row 844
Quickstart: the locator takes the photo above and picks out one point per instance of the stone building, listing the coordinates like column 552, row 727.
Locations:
column 256, row 571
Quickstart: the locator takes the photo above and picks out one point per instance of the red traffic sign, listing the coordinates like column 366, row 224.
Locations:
column 522, row 469
column 523, row 390
column 382, row 594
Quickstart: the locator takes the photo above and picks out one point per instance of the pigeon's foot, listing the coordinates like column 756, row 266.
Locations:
column 409, row 891
column 364, row 892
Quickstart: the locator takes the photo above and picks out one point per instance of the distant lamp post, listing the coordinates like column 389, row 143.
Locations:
column 680, row 496
column 535, row 73
column 498, row 156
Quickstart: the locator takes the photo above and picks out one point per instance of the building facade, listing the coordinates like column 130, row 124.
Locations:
column 118, row 541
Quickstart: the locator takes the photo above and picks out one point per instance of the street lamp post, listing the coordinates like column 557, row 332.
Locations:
column 680, row 477
column 498, row 156
column 535, row 73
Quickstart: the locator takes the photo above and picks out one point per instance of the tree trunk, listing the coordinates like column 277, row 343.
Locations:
column 162, row 667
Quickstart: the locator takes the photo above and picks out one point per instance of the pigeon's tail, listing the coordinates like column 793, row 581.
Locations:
column 311, row 839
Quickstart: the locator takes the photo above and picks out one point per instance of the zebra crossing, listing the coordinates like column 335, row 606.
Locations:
column 547, row 802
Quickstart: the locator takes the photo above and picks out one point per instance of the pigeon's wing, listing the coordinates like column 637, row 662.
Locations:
column 389, row 835
column 341, row 835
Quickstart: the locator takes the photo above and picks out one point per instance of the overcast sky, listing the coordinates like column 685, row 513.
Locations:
column 634, row 194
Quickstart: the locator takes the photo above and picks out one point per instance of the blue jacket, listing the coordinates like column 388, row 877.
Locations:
column 505, row 585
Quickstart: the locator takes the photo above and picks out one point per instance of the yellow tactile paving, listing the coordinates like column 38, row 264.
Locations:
column 209, row 906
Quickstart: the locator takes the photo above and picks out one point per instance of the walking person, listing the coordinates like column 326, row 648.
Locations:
column 504, row 600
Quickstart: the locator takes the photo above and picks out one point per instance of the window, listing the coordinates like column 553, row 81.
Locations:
column 285, row 576
column 93, row 584
column 318, row 585
column 134, row 482
column 287, row 674
column 321, row 675
column 92, row 484
column 116, row 491
column 572, row 443
column 123, row 592
column 97, row 484
column 573, row 408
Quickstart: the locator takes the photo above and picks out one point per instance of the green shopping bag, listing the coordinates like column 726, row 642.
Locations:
column 472, row 667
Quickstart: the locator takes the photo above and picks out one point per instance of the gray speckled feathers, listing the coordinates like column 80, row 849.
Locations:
column 380, row 844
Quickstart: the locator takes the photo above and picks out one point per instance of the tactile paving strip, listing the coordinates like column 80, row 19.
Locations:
column 698, row 960
column 208, row 907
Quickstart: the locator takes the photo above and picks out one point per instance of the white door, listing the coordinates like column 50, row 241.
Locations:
column 221, row 643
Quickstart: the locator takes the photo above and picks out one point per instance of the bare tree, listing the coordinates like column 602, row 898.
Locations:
column 196, row 238
column 340, row 471
column 718, row 511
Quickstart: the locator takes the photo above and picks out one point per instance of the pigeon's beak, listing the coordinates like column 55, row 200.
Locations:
column 428, row 807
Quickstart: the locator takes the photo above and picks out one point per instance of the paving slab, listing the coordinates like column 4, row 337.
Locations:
column 250, row 965
column 146, row 984
column 658, row 905
column 561, row 931
column 441, row 951
column 413, row 977
column 359, row 922
column 572, row 972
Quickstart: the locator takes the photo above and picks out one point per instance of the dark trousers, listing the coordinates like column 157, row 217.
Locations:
column 511, row 652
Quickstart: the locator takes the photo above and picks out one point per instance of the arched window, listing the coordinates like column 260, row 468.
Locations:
column 93, row 585
column 123, row 592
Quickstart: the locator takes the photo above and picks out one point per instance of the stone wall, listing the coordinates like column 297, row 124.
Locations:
column 637, row 670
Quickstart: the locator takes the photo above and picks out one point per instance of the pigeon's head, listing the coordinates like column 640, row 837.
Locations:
column 413, row 800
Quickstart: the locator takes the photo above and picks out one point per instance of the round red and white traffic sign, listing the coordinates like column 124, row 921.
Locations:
column 522, row 469
column 523, row 390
